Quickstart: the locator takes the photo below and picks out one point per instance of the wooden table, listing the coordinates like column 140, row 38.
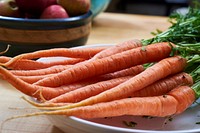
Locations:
column 107, row 28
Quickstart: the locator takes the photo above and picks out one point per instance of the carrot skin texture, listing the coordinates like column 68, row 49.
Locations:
column 44, row 71
column 132, row 71
column 86, row 53
column 185, row 96
column 109, row 64
column 88, row 91
column 163, row 86
column 127, row 45
column 31, row 77
column 48, row 92
column 165, row 68
column 4, row 59
column 173, row 103
column 25, row 64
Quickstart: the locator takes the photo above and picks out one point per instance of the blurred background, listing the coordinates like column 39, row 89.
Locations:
column 148, row 7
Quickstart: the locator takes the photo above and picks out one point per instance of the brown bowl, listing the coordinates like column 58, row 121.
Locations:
column 27, row 35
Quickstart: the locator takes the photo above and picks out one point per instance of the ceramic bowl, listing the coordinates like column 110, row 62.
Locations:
column 27, row 35
column 98, row 6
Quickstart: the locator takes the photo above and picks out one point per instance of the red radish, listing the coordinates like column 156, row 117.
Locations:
column 54, row 11
column 35, row 7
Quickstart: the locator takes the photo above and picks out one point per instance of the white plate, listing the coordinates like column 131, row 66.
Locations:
column 183, row 123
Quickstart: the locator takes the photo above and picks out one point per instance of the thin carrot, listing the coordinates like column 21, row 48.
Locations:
column 47, row 92
column 44, row 71
column 29, row 89
column 122, row 73
column 90, row 82
column 88, row 91
column 132, row 71
column 121, row 47
column 163, row 86
column 173, row 103
column 25, row 64
column 32, row 76
column 86, row 53
column 33, row 79
column 4, row 59
column 137, row 56
column 31, row 101
column 162, row 69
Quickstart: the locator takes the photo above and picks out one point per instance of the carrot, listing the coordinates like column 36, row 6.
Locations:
column 137, row 56
column 63, row 52
column 90, row 82
column 162, row 69
column 30, row 101
column 25, row 64
column 33, row 79
column 132, row 71
column 163, row 86
column 127, row 45
column 32, row 76
column 28, row 89
column 4, row 59
column 173, row 103
column 44, row 71
column 88, row 91
column 46, row 92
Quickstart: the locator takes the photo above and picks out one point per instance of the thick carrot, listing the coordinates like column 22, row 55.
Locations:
column 44, row 71
column 88, row 91
column 175, row 102
column 86, row 53
column 162, row 69
column 137, row 56
column 121, row 47
column 25, row 64
column 163, row 86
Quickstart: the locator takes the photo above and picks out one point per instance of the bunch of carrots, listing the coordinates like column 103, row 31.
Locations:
column 155, row 77
column 124, row 79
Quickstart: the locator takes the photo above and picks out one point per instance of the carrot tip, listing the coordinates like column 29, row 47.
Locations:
column 30, row 101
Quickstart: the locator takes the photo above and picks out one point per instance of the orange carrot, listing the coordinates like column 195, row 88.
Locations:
column 163, row 86
column 132, row 71
column 4, row 59
column 46, row 92
column 162, row 69
column 32, row 76
column 137, row 56
column 33, row 79
column 121, row 47
column 63, row 52
column 28, row 89
column 175, row 102
column 44, row 71
column 25, row 64
column 88, row 91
